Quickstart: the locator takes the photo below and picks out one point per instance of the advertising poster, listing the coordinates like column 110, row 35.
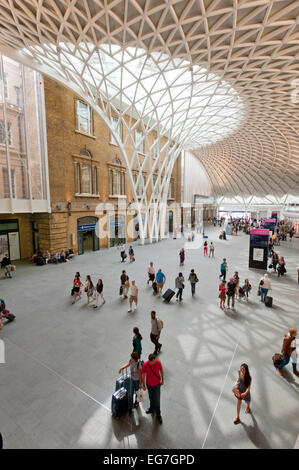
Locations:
column 258, row 254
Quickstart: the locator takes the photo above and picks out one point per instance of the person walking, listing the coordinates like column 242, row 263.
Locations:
column 275, row 260
column 182, row 257
column 135, row 365
column 137, row 338
column 242, row 390
column 6, row 264
column 223, row 269
column 153, row 378
column 265, row 286
column 193, row 280
column 281, row 269
column 99, row 292
column 288, row 346
column 212, row 249
column 246, row 289
column 76, row 288
column 156, row 328
column 89, row 289
column 133, row 296
column 205, row 248
column 160, row 281
column 231, row 292
column 151, row 273
column 123, row 254
column 179, row 284
column 131, row 254
column 124, row 280
column 222, row 294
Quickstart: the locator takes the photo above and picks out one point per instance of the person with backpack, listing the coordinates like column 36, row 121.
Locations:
column 137, row 338
column 193, row 279
column 135, row 365
column 288, row 346
column 231, row 292
column 179, row 284
column 156, row 328
column 99, row 292
column 153, row 378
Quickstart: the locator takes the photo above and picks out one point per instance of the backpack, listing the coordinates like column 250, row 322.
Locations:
column 2, row 305
column 277, row 359
column 160, row 324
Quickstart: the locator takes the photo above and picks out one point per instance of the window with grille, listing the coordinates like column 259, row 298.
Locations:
column 2, row 133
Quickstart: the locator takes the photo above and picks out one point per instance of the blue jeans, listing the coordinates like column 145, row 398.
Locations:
column 284, row 362
column 264, row 293
column 223, row 275
column 193, row 288
column 154, row 397
column 134, row 386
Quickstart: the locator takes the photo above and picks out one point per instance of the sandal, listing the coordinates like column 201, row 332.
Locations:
column 236, row 420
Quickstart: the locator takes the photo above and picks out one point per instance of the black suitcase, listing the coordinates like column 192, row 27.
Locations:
column 168, row 295
column 119, row 403
column 269, row 301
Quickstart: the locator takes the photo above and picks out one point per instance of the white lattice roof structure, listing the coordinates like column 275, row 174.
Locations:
column 215, row 76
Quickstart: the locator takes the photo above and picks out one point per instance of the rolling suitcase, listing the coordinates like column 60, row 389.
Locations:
column 119, row 402
column 269, row 301
column 155, row 289
column 168, row 295
column 123, row 381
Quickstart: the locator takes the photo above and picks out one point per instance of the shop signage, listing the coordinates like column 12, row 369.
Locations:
column 82, row 228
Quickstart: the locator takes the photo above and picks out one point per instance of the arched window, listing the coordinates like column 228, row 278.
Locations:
column 85, row 153
column 117, row 161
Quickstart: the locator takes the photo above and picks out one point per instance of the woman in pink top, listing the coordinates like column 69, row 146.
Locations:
column 222, row 294
column 151, row 272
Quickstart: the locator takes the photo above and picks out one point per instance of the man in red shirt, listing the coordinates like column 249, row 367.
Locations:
column 153, row 371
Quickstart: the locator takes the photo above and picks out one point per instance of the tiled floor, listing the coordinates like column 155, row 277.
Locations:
column 62, row 360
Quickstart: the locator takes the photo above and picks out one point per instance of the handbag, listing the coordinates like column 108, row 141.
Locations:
column 259, row 291
column 140, row 395
column 121, row 290
column 72, row 291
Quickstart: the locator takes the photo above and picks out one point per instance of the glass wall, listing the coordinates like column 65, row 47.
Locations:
column 22, row 149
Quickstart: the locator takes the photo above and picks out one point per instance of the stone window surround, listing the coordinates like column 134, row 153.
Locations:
column 93, row 164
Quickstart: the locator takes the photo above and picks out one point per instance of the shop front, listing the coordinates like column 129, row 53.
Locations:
column 87, row 237
column 9, row 239
column 117, row 229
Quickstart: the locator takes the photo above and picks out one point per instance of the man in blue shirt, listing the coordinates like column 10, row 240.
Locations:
column 160, row 280
column 223, row 269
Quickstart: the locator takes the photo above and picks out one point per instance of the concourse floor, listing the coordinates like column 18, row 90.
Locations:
column 62, row 360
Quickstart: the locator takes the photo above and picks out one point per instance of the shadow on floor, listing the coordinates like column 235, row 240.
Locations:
column 256, row 436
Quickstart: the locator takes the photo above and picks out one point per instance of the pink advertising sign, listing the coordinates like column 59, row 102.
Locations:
column 259, row 231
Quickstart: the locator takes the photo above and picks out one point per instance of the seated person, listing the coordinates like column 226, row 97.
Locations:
column 57, row 258
column 69, row 254
column 62, row 256
column 46, row 256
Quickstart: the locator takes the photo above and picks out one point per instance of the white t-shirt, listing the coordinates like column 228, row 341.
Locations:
column 134, row 291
